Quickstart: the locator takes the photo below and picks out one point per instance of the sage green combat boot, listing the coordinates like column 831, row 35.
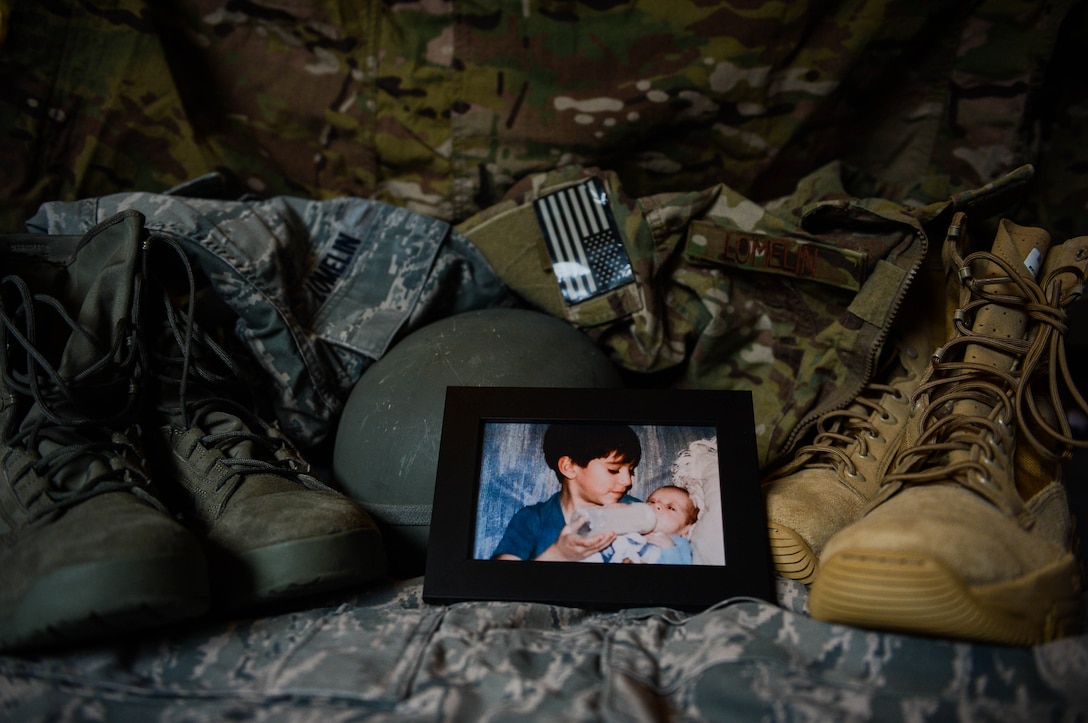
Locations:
column 272, row 529
column 971, row 535
column 86, row 547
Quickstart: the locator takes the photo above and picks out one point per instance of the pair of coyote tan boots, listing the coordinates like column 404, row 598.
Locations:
column 137, row 485
column 934, row 504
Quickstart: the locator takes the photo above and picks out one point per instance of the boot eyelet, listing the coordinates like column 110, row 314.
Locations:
column 887, row 418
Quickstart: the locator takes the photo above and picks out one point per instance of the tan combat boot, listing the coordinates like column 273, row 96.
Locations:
column 971, row 536
column 829, row 482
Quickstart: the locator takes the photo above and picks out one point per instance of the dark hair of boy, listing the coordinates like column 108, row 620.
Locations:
column 585, row 442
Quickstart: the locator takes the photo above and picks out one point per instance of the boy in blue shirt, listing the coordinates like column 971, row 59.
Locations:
column 595, row 465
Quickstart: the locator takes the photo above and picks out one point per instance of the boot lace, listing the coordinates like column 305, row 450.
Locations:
column 203, row 384
column 66, row 422
column 1026, row 399
column 840, row 432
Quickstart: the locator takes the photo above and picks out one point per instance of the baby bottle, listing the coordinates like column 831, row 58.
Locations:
column 620, row 518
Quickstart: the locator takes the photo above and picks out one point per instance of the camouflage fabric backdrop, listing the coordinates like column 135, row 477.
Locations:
column 441, row 106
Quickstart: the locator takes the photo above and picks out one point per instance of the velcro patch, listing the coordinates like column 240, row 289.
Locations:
column 331, row 265
column 50, row 248
column 583, row 241
column 709, row 243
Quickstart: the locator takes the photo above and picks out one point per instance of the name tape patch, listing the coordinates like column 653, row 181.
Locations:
column 710, row 243
column 584, row 243
column 330, row 267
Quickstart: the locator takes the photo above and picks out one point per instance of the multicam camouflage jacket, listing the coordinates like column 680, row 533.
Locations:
column 791, row 300
column 440, row 107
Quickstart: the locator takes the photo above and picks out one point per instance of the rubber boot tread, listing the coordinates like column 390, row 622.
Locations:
column 916, row 594
column 792, row 557
column 107, row 597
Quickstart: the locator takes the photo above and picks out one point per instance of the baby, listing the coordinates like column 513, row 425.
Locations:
column 668, row 542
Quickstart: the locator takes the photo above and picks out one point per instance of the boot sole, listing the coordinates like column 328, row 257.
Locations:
column 106, row 598
column 297, row 568
column 791, row 555
column 916, row 594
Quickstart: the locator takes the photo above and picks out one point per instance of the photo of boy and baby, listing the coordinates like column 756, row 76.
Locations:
column 615, row 493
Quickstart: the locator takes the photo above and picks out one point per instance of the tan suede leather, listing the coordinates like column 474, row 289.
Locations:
column 952, row 545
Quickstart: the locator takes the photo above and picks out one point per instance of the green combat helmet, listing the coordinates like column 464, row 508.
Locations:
column 386, row 452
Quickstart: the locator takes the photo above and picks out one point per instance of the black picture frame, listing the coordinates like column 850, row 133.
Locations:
column 458, row 567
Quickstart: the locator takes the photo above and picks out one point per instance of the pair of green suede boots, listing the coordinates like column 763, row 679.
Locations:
column 137, row 486
column 934, row 504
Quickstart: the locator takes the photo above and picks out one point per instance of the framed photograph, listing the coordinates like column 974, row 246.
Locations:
column 598, row 498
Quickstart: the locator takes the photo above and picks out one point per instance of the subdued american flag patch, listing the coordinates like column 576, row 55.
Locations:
column 584, row 244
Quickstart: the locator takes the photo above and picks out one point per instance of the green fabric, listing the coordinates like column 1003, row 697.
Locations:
column 803, row 338
column 442, row 107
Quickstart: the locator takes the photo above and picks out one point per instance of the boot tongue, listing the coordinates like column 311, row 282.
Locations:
column 1024, row 249
column 97, row 296
column 77, row 474
column 223, row 423
column 100, row 290
column 1022, row 246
